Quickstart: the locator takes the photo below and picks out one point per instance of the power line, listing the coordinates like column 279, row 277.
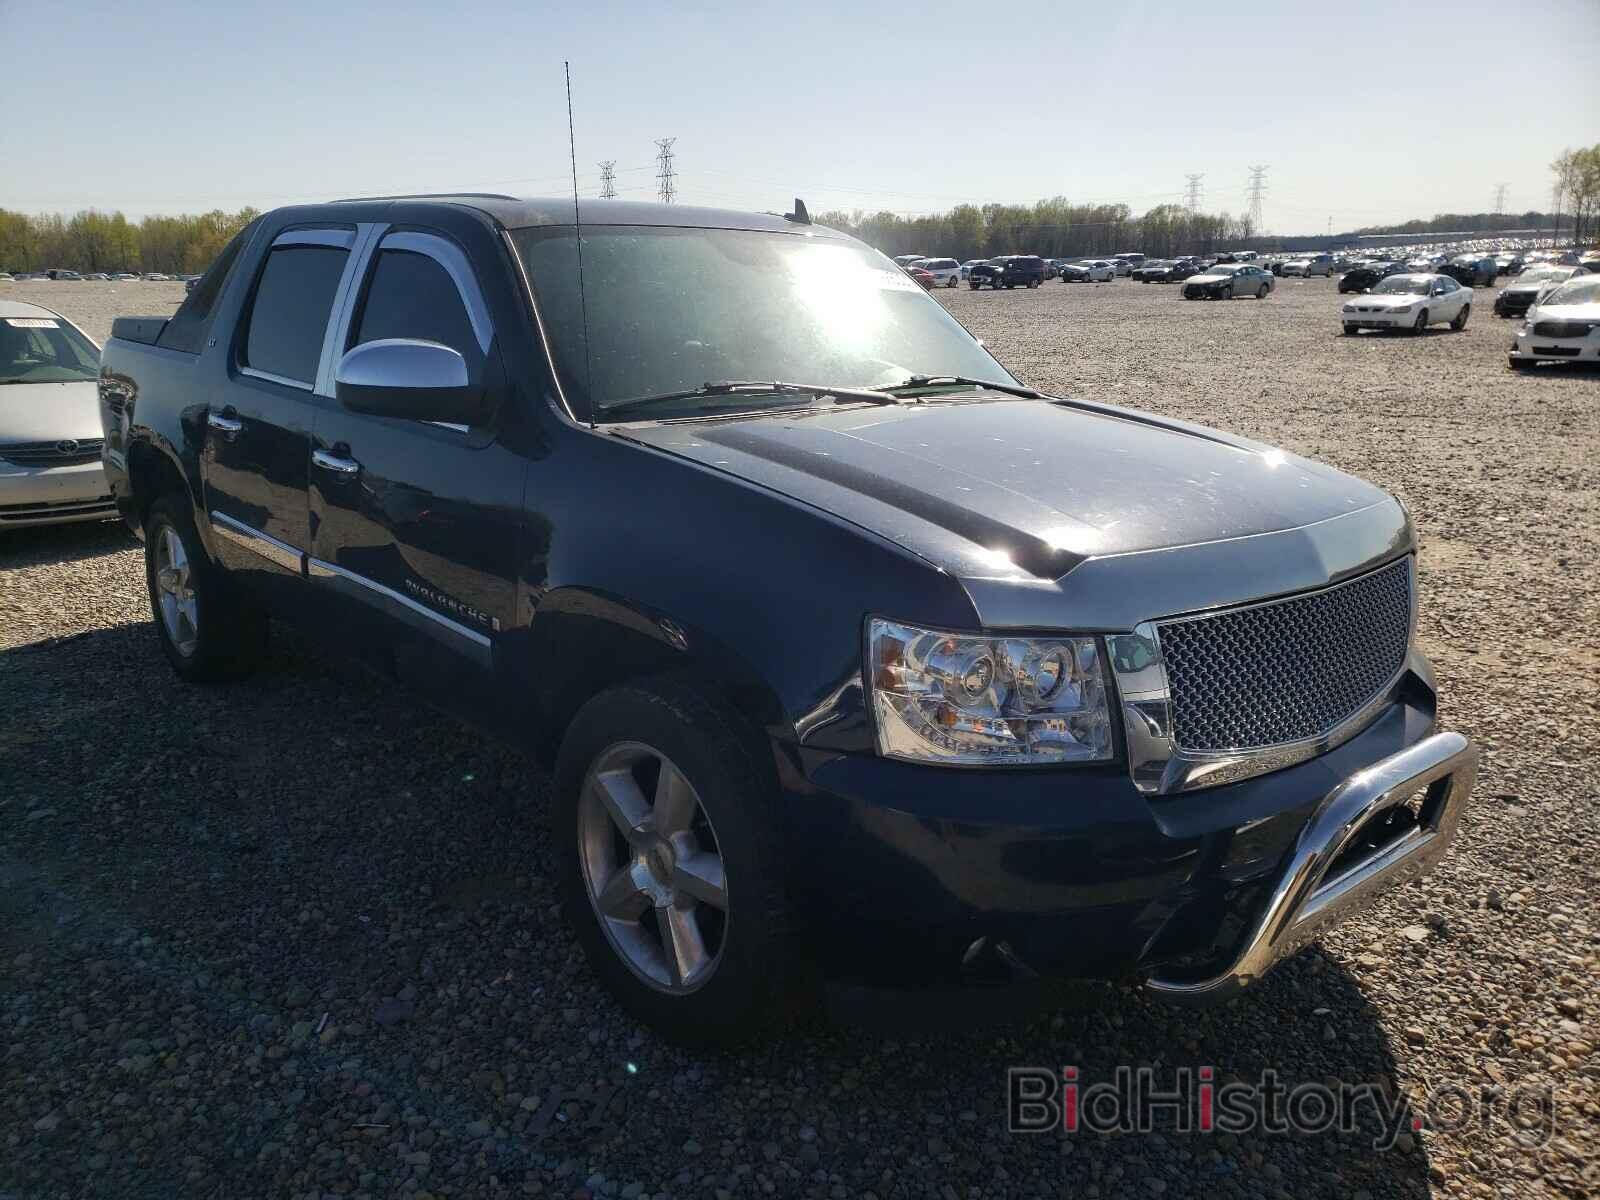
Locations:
column 608, row 179
column 1257, row 189
column 666, row 189
column 1192, row 192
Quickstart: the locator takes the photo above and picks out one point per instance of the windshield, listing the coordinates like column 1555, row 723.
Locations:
column 1403, row 285
column 45, row 350
column 1221, row 269
column 1583, row 290
column 1540, row 274
column 670, row 309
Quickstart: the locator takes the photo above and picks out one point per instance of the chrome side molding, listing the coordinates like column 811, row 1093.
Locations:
column 278, row 553
column 1309, row 895
column 452, row 634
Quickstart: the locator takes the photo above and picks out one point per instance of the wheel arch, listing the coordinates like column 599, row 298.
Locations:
column 585, row 641
column 153, row 472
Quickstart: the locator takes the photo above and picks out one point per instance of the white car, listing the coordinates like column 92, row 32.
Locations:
column 903, row 260
column 1315, row 264
column 1089, row 270
column 1563, row 327
column 1408, row 302
column 50, row 433
column 966, row 267
column 946, row 272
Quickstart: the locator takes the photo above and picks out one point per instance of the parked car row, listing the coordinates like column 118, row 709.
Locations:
column 63, row 276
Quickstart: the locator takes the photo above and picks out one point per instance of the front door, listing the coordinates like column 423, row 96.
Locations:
column 415, row 524
column 258, row 424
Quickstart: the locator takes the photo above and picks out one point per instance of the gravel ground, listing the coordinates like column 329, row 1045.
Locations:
column 297, row 937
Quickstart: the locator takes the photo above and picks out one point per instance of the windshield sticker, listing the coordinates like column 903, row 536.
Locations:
column 31, row 323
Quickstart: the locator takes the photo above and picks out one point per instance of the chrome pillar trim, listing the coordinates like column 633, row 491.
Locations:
column 452, row 634
column 1306, row 899
column 264, row 544
column 344, row 301
column 1159, row 766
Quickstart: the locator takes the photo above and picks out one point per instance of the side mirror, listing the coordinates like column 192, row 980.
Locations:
column 410, row 379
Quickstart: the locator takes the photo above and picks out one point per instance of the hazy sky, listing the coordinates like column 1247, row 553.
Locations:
column 1365, row 111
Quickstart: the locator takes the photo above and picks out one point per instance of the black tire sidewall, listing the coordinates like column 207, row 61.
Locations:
column 720, row 759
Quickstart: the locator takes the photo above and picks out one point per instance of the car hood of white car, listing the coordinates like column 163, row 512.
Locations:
column 1391, row 301
column 1210, row 278
column 48, row 412
column 1565, row 312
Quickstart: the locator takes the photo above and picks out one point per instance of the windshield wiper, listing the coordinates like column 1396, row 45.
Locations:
column 752, row 387
column 1011, row 389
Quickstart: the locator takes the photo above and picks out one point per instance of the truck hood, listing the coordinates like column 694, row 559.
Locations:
column 48, row 412
column 1024, row 489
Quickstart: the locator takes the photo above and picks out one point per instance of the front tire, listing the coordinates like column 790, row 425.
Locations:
column 1261, row 292
column 208, row 633
column 671, row 869
column 1460, row 321
column 1351, row 330
column 1420, row 325
column 1520, row 364
column 1227, row 292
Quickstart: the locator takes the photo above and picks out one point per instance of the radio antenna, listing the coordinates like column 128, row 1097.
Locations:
column 577, row 233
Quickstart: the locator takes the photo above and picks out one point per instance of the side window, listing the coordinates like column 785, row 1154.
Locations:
column 188, row 327
column 289, row 314
column 411, row 295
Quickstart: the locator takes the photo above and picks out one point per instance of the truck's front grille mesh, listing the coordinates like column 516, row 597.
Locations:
column 1283, row 672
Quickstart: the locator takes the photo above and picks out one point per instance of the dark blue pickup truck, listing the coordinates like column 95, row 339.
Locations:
column 854, row 657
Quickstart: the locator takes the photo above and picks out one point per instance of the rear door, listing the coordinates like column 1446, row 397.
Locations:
column 415, row 524
column 259, row 420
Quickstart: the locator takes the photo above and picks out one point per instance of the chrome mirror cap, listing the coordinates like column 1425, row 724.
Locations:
column 402, row 363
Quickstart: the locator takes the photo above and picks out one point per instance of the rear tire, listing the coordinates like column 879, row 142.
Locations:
column 974, row 286
column 728, row 816
column 206, row 630
column 953, row 281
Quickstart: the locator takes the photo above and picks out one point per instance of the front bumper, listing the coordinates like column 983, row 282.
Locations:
column 914, row 875
column 1529, row 346
column 1379, row 318
column 54, row 495
column 1338, row 864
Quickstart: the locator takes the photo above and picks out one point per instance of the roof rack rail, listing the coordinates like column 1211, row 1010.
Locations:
column 426, row 196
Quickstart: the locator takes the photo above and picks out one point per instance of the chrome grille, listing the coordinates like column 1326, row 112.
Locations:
column 1290, row 670
column 68, row 452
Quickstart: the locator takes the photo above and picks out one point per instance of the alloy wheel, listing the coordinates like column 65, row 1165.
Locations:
column 175, row 592
column 653, row 867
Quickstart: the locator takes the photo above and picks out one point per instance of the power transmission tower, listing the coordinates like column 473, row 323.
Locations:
column 665, row 187
column 1192, row 198
column 1500, row 198
column 1257, row 189
column 608, row 179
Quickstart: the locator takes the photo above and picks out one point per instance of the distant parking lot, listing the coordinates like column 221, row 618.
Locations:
column 297, row 936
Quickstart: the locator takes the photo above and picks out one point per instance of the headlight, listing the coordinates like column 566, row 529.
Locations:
column 1349, row 308
column 964, row 698
column 1401, row 308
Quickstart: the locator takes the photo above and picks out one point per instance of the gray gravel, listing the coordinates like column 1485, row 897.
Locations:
column 297, row 936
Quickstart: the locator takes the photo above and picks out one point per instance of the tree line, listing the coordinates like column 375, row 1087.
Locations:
column 1054, row 228
column 1577, row 189
column 97, row 241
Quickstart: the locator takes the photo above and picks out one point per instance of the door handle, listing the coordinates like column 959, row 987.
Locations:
column 334, row 462
column 225, row 422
